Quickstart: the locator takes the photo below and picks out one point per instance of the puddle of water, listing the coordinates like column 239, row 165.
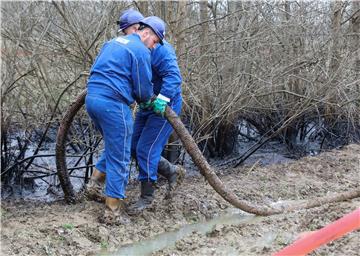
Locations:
column 168, row 239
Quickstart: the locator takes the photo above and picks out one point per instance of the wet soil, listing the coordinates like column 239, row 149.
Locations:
column 34, row 228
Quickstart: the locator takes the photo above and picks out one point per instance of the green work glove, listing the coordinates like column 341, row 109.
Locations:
column 159, row 106
column 146, row 105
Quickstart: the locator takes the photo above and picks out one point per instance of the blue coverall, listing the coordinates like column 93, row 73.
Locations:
column 120, row 75
column 151, row 131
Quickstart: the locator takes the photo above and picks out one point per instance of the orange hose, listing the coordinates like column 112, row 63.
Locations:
column 322, row 236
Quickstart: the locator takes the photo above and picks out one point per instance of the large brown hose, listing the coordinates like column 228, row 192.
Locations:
column 206, row 170
column 199, row 160
column 60, row 152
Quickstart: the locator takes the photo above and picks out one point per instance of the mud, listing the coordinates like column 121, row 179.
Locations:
column 33, row 228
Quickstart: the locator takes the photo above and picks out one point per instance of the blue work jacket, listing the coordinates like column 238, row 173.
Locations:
column 122, row 70
column 166, row 75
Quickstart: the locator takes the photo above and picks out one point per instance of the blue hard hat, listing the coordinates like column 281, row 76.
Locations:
column 128, row 18
column 156, row 24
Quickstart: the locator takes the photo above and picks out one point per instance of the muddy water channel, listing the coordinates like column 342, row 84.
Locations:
column 232, row 216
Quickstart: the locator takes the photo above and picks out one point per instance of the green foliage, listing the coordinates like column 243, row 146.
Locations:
column 2, row 213
column 104, row 245
column 68, row 226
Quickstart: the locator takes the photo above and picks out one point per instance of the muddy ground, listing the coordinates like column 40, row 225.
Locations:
column 30, row 228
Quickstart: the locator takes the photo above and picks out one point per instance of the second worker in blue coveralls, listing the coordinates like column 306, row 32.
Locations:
column 120, row 75
column 152, row 130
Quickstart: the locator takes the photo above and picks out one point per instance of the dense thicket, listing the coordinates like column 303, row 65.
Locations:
column 288, row 70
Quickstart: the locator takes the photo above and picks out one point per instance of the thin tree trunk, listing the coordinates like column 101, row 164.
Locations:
column 143, row 7
column 355, row 22
column 337, row 10
column 161, row 9
column 180, row 36
column 203, row 36
column 334, row 64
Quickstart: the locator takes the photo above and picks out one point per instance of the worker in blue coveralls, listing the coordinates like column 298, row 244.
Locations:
column 120, row 75
column 129, row 23
column 152, row 130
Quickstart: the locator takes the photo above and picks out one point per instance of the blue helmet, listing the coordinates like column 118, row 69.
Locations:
column 156, row 24
column 128, row 18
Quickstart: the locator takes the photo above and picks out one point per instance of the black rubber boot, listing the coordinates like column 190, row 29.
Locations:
column 167, row 170
column 145, row 200
column 173, row 173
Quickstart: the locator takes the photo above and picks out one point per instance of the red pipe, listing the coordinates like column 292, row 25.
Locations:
column 322, row 236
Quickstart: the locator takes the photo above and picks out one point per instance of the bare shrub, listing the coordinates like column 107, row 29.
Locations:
column 284, row 68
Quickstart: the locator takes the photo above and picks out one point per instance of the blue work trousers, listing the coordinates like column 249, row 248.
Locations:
column 151, row 133
column 115, row 123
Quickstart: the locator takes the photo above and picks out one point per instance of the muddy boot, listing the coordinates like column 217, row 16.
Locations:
column 94, row 189
column 114, row 213
column 145, row 200
column 175, row 175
